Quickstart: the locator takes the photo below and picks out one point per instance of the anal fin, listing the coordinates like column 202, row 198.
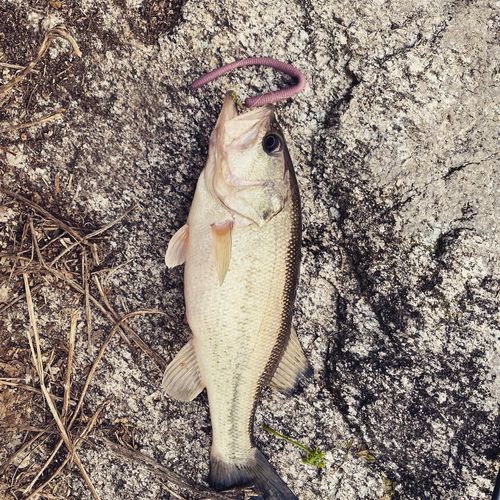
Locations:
column 292, row 368
column 182, row 379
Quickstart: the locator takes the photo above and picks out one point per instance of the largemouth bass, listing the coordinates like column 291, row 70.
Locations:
column 241, row 249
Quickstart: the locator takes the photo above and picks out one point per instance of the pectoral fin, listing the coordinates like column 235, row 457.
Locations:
column 221, row 246
column 293, row 366
column 182, row 379
column 176, row 250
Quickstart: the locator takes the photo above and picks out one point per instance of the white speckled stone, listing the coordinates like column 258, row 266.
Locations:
column 396, row 144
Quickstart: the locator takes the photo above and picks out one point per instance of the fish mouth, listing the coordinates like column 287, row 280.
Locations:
column 241, row 130
column 230, row 110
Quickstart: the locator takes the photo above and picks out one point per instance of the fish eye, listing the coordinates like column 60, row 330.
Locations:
column 272, row 143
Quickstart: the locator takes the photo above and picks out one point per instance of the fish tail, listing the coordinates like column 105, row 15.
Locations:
column 257, row 470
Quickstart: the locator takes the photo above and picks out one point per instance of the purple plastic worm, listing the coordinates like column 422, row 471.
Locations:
column 259, row 100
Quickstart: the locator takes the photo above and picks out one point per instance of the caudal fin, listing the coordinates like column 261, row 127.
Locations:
column 257, row 470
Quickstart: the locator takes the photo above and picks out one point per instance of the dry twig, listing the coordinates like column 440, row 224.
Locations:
column 165, row 487
column 25, row 387
column 46, row 214
column 54, row 32
column 34, row 239
column 36, row 356
column 28, row 428
column 71, row 348
column 58, row 114
column 34, row 290
column 88, row 314
column 14, row 66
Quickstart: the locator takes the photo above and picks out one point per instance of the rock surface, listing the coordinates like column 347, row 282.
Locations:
column 396, row 145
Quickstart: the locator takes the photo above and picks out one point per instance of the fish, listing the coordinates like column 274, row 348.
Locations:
column 241, row 250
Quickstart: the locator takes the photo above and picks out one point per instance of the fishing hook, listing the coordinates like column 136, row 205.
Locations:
column 259, row 100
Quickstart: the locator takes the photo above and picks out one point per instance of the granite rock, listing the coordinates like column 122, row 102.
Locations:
column 395, row 142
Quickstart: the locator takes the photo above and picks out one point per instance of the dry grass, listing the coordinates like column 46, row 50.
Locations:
column 45, row 119
column 41, row 399
column 68, row 420
column 32, row 260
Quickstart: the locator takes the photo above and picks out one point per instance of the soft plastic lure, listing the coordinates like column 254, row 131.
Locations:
column 263, row 99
